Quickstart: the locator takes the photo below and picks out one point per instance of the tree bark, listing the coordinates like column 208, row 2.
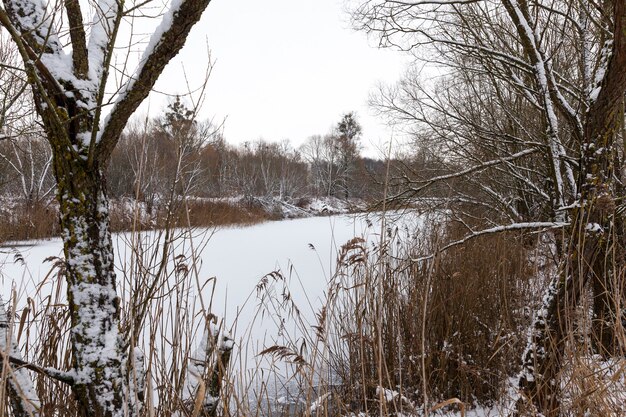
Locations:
column 97, row 346
column 70, row 105
column 603, row 230
column 594, row 253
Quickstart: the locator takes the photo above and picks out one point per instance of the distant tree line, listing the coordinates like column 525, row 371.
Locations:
column 175, row 153
column 193, row 157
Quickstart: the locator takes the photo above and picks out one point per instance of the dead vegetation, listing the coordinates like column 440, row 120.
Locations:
column 39, row 220
column 394, row 336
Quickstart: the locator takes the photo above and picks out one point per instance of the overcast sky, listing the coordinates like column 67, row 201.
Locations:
column 284, row 69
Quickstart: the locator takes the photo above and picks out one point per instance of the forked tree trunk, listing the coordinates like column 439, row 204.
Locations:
column 69, row 98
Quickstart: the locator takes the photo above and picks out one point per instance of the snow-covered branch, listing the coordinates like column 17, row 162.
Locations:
column 433, row 2
column 165, row 43
column 77, row 36
column 539, row 226
column 52, row 373
column 105, row 21
column 547, row 88
column 35, row 23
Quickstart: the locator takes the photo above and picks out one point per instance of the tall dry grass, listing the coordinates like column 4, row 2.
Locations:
column 131, row 215
column 401, row 336
column 394, row 336
column 23, row 220
column 166, row 317
column 32, row 221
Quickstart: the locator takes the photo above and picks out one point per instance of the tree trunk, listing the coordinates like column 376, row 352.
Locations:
column 542, row 359
column 605, row 267
column 594, row 252
column 94, row 306
column 70, row 102
column 604, row 223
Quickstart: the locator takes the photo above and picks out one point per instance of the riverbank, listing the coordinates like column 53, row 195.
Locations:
column 27, row 221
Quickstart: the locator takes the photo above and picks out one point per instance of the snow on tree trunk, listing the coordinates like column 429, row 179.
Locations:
column 537, row 380
column 595, row 252
column 203, row 385
column 97, row 348
column 601, row 225
column 69, row 92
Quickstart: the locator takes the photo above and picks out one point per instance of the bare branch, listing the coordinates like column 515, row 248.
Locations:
column 165, row 43
column 539, row 226
column 52, row 373
column 77, row 35
column 465, row 172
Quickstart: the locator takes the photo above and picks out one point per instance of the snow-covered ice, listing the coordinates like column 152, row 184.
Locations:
column 304, row 250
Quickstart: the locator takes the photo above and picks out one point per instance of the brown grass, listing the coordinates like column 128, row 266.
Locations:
column 163, row 314
column 189, row 213
column 214, row 213
column 397, row 336
column 393, row 336
column 444, row 330
column 439, row 329
column 24, row 221
column 27, row 221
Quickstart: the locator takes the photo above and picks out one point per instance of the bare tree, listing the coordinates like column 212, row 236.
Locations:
column 69, row 90
column 528, row 112
column 14, row 104
column 332, row 158
column 29, row 160
column 313, row 151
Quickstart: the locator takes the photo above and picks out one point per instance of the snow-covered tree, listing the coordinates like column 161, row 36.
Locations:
column 528, row 109
column 68, row 56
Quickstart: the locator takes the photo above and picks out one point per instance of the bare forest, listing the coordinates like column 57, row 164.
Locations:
column 494, row 285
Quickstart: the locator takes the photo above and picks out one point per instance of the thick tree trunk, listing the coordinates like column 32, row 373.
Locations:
column 604, row 223
column 94, row 305
column 541, row 362
column 605, row 267
column 70, row 101
column 595, row 253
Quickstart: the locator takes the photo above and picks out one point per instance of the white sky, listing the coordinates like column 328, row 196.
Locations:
column 284, row 69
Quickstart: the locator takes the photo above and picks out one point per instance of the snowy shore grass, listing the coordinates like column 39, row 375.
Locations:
column 387, row 337
column 173, row 283
column 22, row 220
column 398, row 338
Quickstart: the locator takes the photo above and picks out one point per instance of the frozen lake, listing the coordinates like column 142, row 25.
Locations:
column 230, row 264
column 231, row 260
column 237, row 257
